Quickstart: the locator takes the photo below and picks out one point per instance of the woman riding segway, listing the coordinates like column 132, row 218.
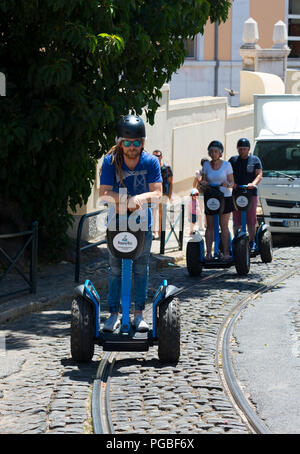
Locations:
column 218, row 172
column 217, row 181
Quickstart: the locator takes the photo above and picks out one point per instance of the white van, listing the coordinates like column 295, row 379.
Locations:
column 277, row 144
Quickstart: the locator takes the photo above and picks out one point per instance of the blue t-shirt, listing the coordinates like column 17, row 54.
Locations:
column 244, row 170
column 136, row 181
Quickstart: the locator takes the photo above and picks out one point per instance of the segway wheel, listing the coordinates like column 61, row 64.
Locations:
column 82, row 330
column 193, row 263
column 169, row 332
column 242, row 256
column 266, row 247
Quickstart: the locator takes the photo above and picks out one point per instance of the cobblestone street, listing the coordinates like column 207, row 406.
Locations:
column 189, row 398
column 43, row 391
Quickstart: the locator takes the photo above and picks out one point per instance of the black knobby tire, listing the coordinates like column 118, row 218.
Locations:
column 242, row 256
column 82, row 330
column 193, row 263
column 266, row 247
column 169, row 331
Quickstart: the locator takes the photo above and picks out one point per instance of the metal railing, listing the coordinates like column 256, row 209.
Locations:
column 80, row 248
column 172, row 223
column 32, row 279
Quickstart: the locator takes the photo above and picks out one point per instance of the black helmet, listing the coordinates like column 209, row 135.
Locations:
column 243, row 143
column 215, row 144
column 131, row 126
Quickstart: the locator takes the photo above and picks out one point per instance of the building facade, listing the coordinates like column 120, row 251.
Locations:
column 213, row 62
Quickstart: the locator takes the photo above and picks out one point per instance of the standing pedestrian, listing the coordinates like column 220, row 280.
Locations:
column 218, row 172
column 247, row 170
column 193, row 210
column 197, row 185
column 167, row 190
column 198, row 176
column 128, row 167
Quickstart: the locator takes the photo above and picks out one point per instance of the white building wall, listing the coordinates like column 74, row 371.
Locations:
column 194, row 79
column 240, row 13
column 197, row 77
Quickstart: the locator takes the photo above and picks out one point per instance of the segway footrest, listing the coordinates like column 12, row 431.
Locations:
column 217, row 264
column 117, row 342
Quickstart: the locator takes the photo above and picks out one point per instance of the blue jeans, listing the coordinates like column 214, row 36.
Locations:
column 140, row 269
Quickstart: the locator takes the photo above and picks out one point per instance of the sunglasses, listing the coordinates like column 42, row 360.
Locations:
column 158, row 155
column 136, row 143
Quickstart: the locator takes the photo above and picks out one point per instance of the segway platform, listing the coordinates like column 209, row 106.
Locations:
column 134, row 341
column 217, row 262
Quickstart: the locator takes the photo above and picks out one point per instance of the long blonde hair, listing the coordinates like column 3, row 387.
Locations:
column 117, row 160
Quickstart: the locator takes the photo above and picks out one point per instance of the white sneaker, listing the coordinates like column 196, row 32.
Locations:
column 113, row 322
column 140, row 324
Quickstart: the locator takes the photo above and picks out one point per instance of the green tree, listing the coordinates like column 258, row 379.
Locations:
column 72, row 68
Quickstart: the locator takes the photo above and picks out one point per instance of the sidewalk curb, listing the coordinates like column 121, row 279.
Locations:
column 43, row 303
column 19, row 309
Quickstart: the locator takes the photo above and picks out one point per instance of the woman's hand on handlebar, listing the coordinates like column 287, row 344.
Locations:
column 228, row 184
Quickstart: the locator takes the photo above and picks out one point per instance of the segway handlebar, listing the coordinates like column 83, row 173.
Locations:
column 242, row 197
column 213, row 185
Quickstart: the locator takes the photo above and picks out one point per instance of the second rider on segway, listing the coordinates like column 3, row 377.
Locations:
column 218, row 176
column 218, row 172
column 217, row 182
column 247, row 172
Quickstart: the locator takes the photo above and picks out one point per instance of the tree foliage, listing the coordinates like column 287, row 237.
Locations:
column 72, row 68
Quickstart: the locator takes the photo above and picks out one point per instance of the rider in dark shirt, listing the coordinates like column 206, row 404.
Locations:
column 247, row 170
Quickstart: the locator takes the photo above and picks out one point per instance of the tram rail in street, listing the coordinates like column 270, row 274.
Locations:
column 101, row 415
column 102, row 423
column 223, row 360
